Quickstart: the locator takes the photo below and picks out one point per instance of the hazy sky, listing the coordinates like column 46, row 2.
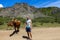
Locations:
column 36, row 3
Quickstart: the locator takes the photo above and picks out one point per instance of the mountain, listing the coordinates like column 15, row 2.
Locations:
column 21, row 10
column 51, row 11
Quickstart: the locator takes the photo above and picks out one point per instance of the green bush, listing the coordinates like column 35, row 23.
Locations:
column 21, row 19
column 41, row 20
column 1, row 21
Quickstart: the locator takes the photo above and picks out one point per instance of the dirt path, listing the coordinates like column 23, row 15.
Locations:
column 38, row 34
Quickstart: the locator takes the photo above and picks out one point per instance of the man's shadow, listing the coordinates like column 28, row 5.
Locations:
column 25, row 37
column 14, row 32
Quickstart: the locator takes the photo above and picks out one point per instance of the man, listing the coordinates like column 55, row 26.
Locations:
column 28, row 27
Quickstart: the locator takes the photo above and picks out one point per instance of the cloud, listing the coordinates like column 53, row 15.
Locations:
column 44, row 3
column 53, row 4
column 1, row 6
column 39, row 5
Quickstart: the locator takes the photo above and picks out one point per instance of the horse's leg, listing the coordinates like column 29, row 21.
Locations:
column 18, row 28
column 15, row 29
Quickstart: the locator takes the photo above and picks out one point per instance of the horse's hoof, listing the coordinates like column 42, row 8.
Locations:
column 10, row 35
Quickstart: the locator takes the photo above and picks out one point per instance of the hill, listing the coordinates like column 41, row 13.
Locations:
column 21, row 10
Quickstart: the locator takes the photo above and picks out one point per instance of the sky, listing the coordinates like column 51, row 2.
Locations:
column 35, row 3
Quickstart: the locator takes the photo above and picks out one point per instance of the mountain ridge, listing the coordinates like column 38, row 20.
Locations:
column 23, row 9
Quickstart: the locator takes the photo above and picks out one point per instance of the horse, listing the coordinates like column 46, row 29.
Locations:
column 16, row 25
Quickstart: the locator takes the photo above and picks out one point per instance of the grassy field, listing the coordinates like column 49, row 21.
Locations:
column 45, row 25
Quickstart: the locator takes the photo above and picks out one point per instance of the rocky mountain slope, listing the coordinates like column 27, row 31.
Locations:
column 21, row 10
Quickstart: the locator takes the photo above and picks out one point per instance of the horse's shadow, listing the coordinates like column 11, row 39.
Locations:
column 25, row 37
column 14, row 32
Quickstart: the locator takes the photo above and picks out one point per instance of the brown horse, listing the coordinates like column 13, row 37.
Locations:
column 16, row 26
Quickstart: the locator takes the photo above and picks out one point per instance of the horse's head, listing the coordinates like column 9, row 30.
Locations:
column 10, row 23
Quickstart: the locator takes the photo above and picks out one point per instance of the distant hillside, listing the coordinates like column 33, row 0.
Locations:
column 50, row 11
column 23, row 9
